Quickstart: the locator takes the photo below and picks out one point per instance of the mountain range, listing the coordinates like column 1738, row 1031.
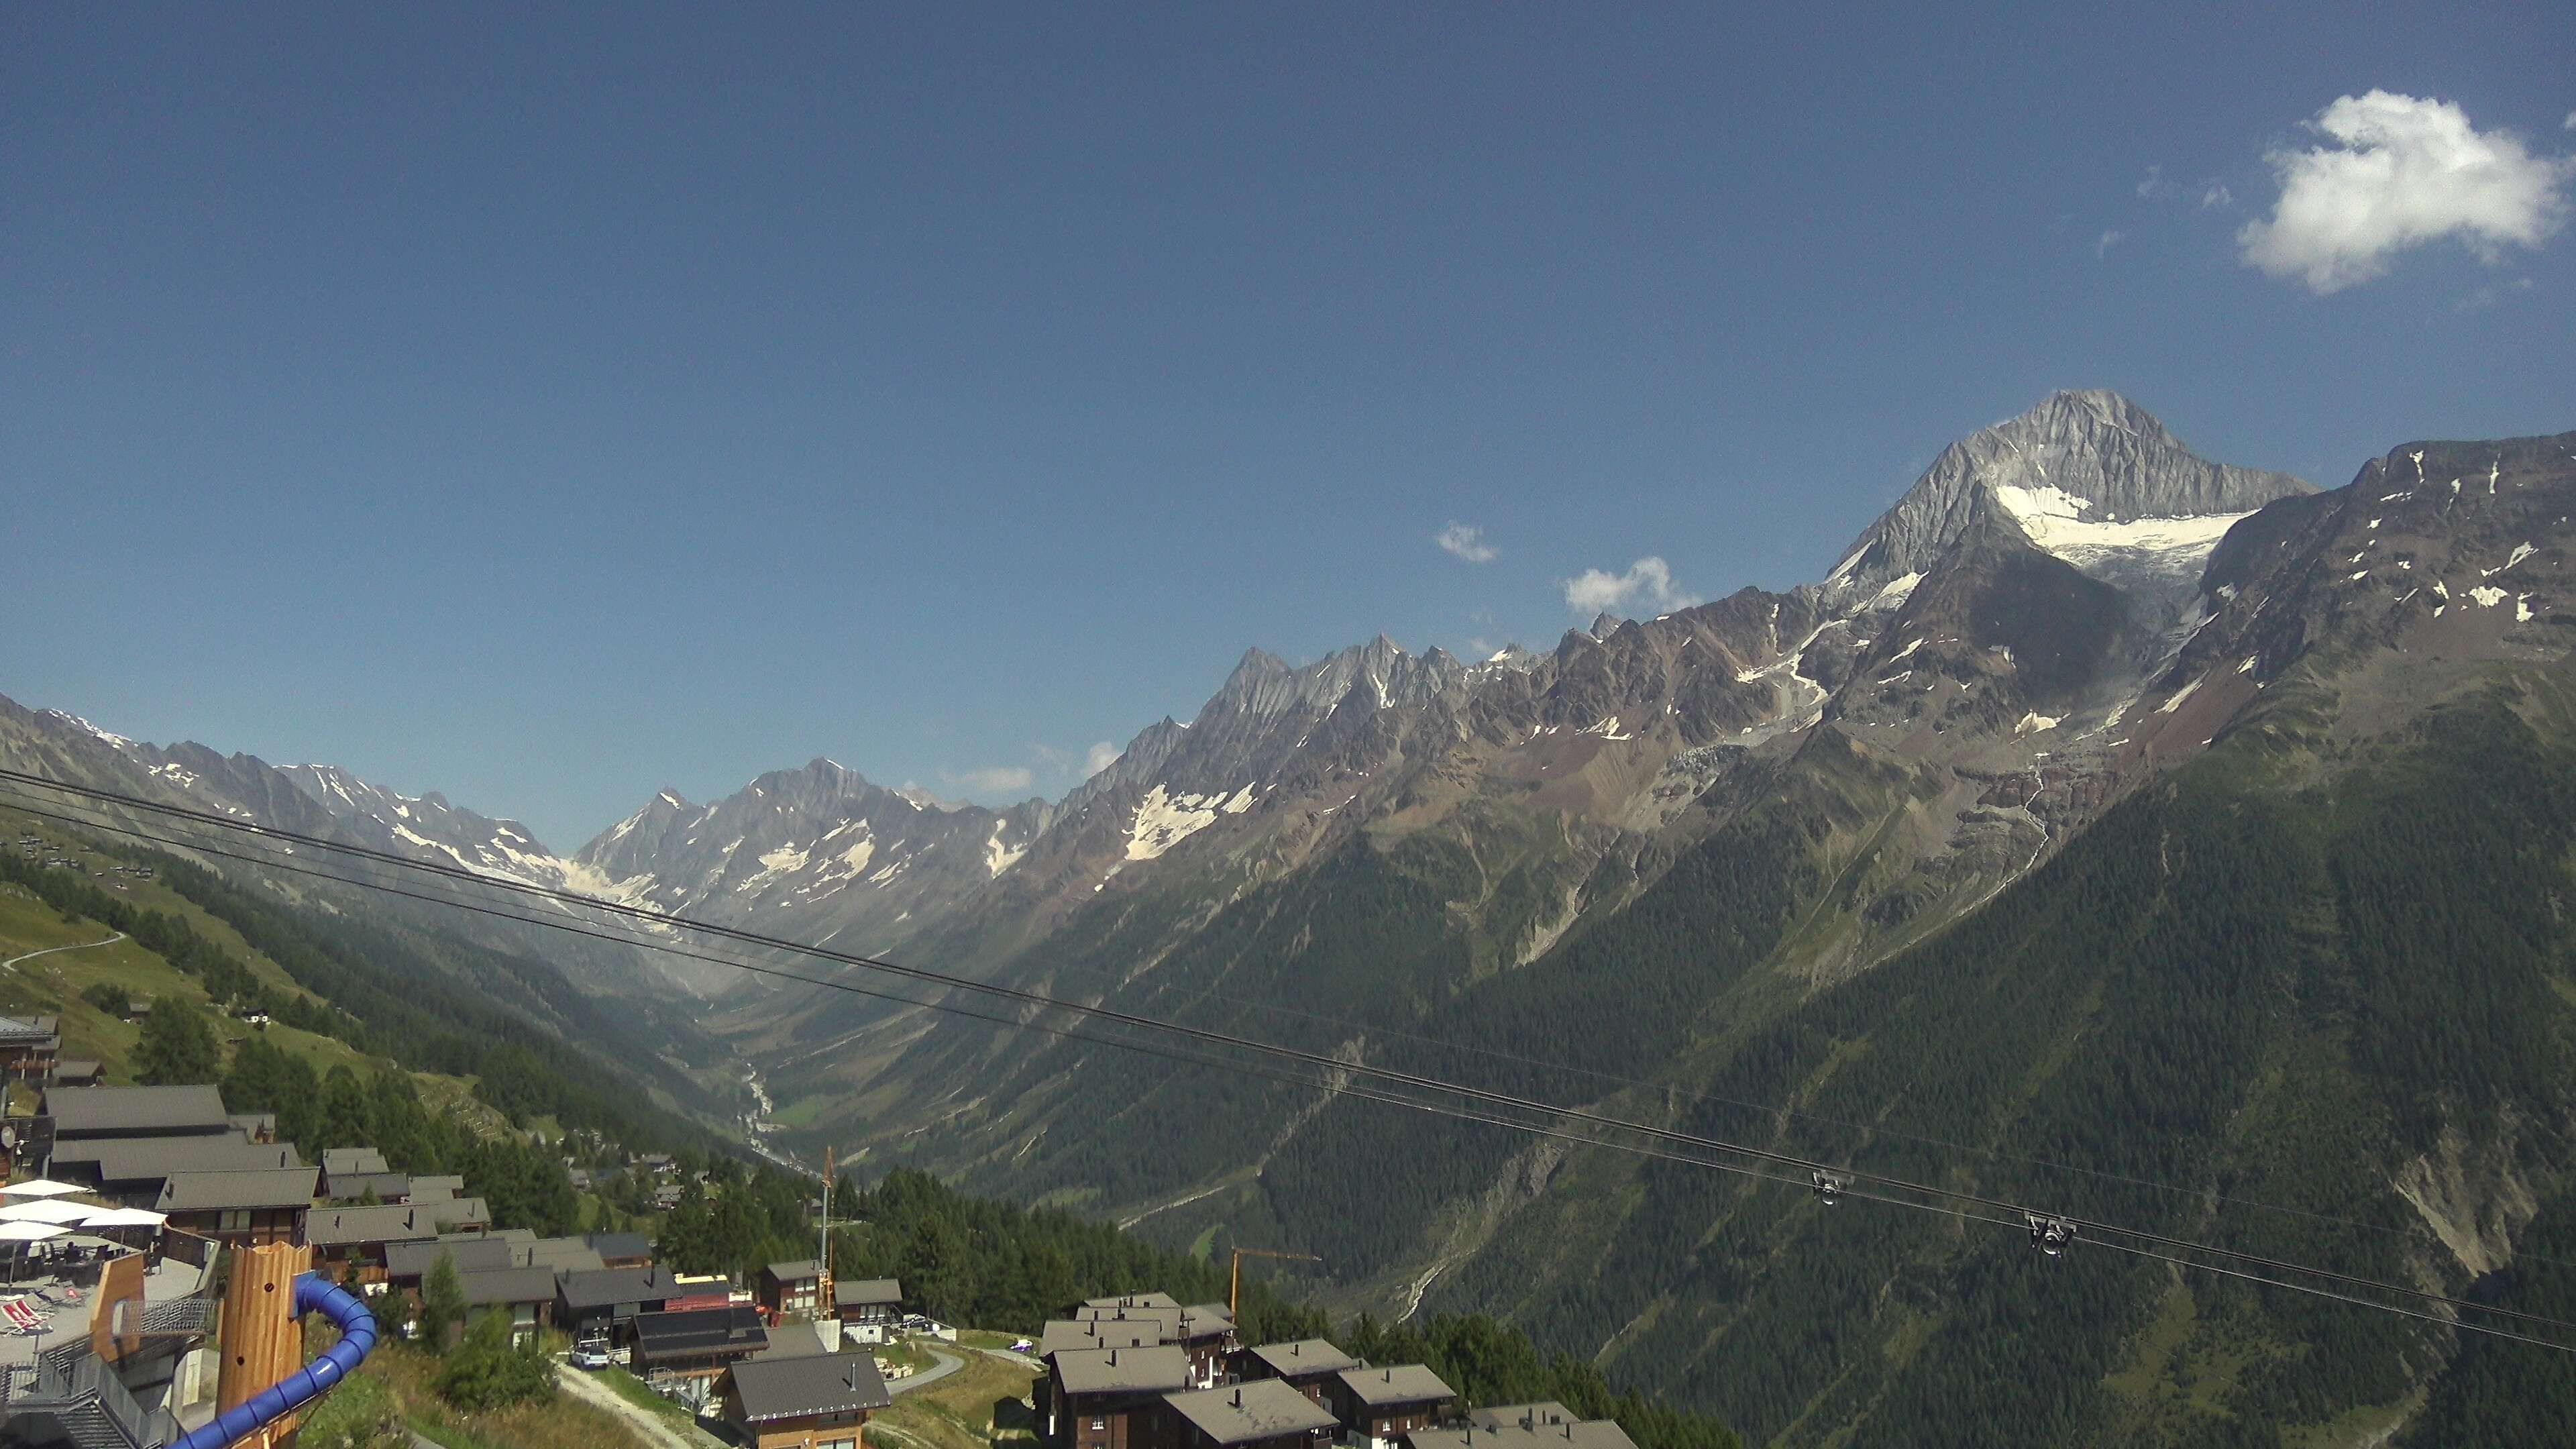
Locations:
column 2173, row 840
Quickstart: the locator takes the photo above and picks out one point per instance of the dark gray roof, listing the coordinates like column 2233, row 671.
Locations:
column 414, row 1260
column 1539, row 1414
column 1255, row 1409
column 1115, row 1370
column 862, row 1292
column 796, row 1271
column 699, row 1331
column 1304, row 1357
column 1545, row 1424
column 607, row 1287
column 559, row 1255
column 1063, row 1335
column 508, row 1285
column 1133, row 1300
column 1407, row 1383
column 795, row 1388
column 1166, row 1319
column 1205, row 1323
column 794, row 1340
column 14, row 1028
column 78, row 1111
column 426, row 1187
column 353, row 1160
column 387, row 1186
column 137, row 1159
column 206, row 1191
column 621, row 1245
column 392, row 1223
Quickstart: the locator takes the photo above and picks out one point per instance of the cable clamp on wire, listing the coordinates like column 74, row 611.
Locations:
column 1830, row 1187
column 2050, row 1235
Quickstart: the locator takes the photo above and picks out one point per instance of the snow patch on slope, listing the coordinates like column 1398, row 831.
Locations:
column 1164, row 820
column 2054, row 521
column 999, row 857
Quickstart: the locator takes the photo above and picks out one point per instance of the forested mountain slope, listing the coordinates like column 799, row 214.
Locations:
column 2310, row 954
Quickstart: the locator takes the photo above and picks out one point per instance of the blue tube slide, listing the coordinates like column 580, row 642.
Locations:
column 357, row 1339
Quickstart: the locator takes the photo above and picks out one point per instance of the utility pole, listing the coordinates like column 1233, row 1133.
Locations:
column 1234, row 1293
column 823, row 1241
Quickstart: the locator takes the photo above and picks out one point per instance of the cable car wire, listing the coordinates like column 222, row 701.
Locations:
column 1317, row 1061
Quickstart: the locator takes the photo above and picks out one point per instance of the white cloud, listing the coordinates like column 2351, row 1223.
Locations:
column 2570, row 123
column 992, row 779
column 2156, row 187
column 1467, row 541
column 2400, row 172
column 1648, row 579
column 2108, row 240
column 1100, row 757
column 2214, row 196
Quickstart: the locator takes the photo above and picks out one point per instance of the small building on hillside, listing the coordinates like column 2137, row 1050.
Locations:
column 346, row 1238
column 131, row 1170
column 1542, row 1425
column 30, row 1048
column 1101, row 1306
column 1377, row 1407
column 816, row 1401
column 558, row 1256
column 1306, row 1365
column 705, row 1290
column 408, row 1265
column 75, row 1072
column 697, row 1343
column 1206, row 1334
column 607, row 1301
column 622, row 1250
column 350, row 1174
column 526, row 1294
column 867, row 1307
column 791, row 1289
column 240, row 1207
column 1109, row 1398
column 86, row 1113
column 1258, row 1414
column 1068, row 1335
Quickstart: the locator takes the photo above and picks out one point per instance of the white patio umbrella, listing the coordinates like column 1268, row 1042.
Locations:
column 30, row 1232
column 38, row 1187
column 125, row 1218
column 49, row 1210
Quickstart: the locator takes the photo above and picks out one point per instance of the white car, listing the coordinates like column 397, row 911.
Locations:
column 590, row 1356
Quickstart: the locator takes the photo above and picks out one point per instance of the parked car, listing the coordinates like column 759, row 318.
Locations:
column 1023, row 1345
column 590, row 1356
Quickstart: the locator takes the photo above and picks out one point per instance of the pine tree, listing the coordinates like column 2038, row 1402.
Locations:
column 488, row 1371
column 442, row 1303
column 178, row 1048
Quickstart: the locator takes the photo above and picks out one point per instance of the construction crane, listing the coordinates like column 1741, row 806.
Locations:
column 1234, row 1293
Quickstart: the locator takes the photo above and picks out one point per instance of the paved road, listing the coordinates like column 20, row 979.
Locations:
column 49, row 950
column 948, row 1363
column 657, row 1431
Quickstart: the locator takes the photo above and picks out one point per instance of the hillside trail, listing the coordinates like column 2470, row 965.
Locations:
column 12, row 963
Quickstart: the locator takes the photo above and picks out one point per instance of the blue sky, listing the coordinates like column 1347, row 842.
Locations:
column 550, row 407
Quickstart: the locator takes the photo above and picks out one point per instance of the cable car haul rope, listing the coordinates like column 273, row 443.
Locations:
column 2052, row 1234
